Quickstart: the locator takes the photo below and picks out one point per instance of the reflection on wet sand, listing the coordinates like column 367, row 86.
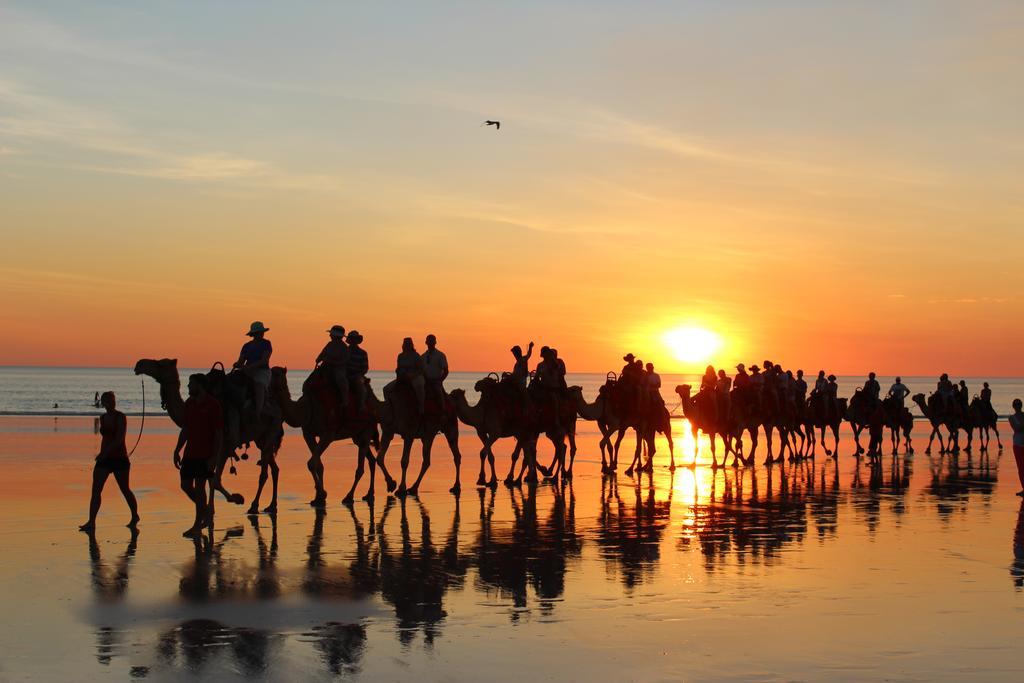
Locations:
column 518, row 549
column 529, row 553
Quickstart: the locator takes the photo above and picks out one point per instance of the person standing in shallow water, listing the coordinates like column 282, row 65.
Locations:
column 112, row 459
column 1017, row 425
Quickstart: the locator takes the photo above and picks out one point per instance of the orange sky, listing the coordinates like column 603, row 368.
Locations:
column 755, row 171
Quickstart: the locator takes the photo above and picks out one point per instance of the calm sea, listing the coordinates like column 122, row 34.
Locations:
column 71, row 391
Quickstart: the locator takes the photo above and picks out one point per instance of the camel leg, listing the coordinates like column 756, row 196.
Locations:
column 406, row 449
column 254, row 506
column 615, row 450
column 316, row 469
column 510, row 480
column 452, row 437
column 481, row 480
column 529, row 463
column 428, row 447
column 382, row 449
column 753, row 445
column 350, row 496
column 770, row 457
column 567, row 473
column 217, row 482
column 493, row 483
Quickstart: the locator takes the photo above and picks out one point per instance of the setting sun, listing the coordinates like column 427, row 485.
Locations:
column 692, row 344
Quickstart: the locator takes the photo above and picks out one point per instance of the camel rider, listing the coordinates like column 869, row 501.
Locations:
column 800, row 388
column 742, row 380
column 358, row 366
column 722, row 388
column 986, row 402
column 653, row 386
column 549, row 377
column 334, row 361
column 409, row 370
column 756, row 381
column 963, row 398
column 832, row 395
column 254, row 361
column 710, row 379
column 631, row 382
column 820, row 385
column 947, row 392
column 872, row 389
column 789, row 390
column 521, row 368
column 560, row 369
column 898, row 392
column 435, row 370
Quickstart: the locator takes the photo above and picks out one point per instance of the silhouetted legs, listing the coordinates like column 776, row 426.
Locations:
column 99, row 478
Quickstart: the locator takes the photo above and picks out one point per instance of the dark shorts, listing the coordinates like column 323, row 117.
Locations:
column 111, row 465
column 194, row 469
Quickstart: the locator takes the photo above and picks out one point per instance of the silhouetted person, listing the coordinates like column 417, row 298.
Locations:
column 742, row 380
column 334, row 360
column 548, row 377
column 653, row 385
column 409, row 371
column 202, row 438
column 800, row 387
column 963, row 396
column 722, row 388
column 358, row 366
column 1017, row 424
column 254, row 361
column 521, row 368
column 899, row 392
column 435, row 370
column 709, row 382
column 947, row 392
column 872, row 388
column 112, row 459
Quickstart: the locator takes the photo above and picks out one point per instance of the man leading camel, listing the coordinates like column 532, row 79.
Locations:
column 201, row 436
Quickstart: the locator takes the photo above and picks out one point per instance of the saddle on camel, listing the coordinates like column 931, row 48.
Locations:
column 337, row 409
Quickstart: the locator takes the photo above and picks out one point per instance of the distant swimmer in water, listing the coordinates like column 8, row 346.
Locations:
column 1017, row 425
column 112, row 459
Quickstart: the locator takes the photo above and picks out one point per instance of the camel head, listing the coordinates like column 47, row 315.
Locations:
column 163, row 370
column 457, row 394
column 684, row 391
column 918, row 399
column 279, row 380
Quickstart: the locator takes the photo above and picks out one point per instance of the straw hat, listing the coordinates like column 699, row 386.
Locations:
column 336, row 331
column 256, row 328
column 354, row 337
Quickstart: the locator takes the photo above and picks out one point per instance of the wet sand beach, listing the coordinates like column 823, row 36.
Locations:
column 812, row 571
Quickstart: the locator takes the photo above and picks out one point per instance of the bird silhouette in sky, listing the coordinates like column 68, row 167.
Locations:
column 496, row 124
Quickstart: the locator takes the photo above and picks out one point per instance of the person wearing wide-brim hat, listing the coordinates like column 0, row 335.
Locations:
column 254, row 360
column 334, row 360
column 357, row 367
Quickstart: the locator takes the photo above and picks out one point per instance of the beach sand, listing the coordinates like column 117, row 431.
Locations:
column 824, row 571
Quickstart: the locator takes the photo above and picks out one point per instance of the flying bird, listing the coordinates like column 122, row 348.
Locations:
column 496, row 124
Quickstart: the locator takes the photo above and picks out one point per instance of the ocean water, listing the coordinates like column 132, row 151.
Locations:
column 36, row 390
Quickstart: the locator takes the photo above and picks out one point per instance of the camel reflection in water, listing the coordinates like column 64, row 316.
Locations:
column 630, row 527
column 530, row 553
column 751, row 518
column 957, row 479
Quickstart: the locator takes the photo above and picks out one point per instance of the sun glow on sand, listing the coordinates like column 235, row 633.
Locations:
column 692, row 344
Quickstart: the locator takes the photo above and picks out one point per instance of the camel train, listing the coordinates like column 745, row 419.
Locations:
column 503, row 411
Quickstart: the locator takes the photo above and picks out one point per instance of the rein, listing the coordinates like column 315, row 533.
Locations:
column 143, row 423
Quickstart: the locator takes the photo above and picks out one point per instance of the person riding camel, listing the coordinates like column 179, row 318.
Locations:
column 254, row 361
column 521, row 368
column 709, row 382
column 898, row 392
column 789, row 390
column 820, row 385
column 435, row 370
column 800, row 388
column 333, row 359
column 548, row 378
column 947, row 393
column 832, row 394
column 632, row 384
column 409, row 371
column 741, row 383
column 358, row 366
column 653, row 386
column 986, row 402
column 963, row 398
column 872, row 389
column 722, row 397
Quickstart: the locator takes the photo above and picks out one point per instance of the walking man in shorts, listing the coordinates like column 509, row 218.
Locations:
column 202, row 438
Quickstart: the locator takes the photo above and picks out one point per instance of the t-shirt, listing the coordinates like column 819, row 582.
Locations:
column 203, row 419
column 653, row 380
column 899, row 390
column 254, row 350
column 435, row 364
column 408, row 364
